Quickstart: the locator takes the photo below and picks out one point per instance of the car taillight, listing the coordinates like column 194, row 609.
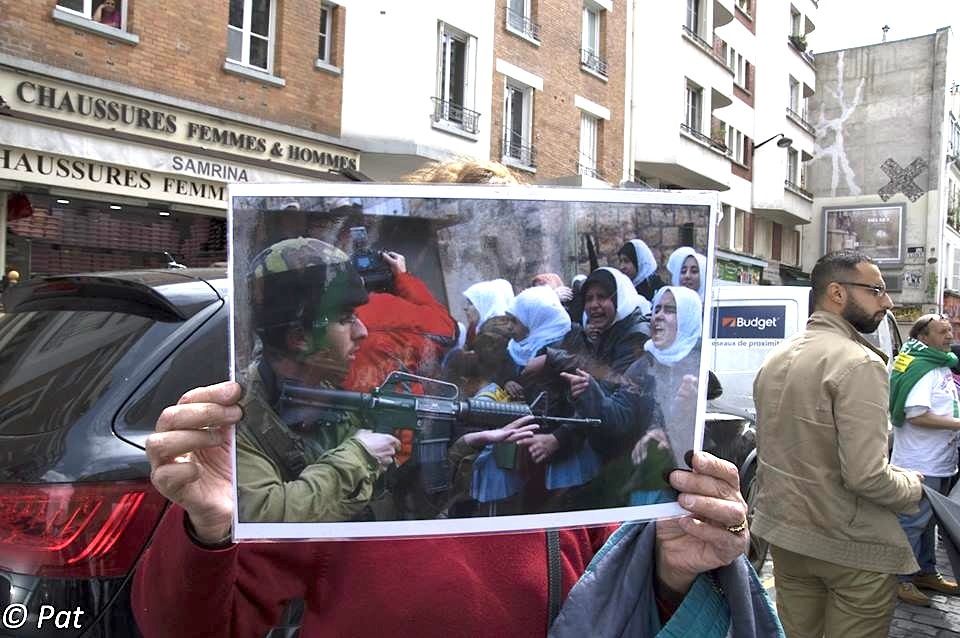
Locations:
column 76, row 530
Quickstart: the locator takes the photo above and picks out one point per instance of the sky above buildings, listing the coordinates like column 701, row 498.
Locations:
column 842, row 24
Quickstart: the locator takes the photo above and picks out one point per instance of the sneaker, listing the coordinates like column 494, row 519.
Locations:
column 937, row 583
column 908, row 593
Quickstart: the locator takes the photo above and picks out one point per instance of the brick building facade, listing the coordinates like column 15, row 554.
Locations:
column 564, row 59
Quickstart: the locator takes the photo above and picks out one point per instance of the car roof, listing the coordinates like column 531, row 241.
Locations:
column 165, row 295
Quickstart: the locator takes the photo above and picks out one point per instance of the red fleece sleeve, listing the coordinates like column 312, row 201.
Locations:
column 414, row 291
column 182, row 589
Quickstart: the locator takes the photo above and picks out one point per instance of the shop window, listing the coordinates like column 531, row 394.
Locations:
column 250, row 33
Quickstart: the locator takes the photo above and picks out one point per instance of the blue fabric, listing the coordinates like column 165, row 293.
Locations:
column 651, row 497
column 490, row 482
column 920, row 529
column 704, row 613
column 576, row 469
column 614, row 597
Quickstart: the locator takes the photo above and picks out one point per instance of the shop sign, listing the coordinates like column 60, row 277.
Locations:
column 907, row 313
column 84, row 174
column 738, row 272
column 148, row 120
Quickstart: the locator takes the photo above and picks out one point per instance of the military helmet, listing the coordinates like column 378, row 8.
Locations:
column 301, row 281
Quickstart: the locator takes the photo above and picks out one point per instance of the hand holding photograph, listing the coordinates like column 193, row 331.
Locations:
column 425, row 359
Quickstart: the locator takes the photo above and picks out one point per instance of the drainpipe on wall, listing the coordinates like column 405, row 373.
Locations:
column 628, row 96
column 3, row 236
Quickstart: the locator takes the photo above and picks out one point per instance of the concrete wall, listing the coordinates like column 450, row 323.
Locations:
column 879, row 113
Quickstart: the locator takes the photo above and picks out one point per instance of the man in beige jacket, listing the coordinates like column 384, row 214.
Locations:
column 827, row 498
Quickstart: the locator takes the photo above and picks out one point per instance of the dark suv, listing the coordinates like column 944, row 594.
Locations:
column 87, row 363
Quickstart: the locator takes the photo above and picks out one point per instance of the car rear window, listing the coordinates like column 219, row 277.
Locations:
column 55, row 366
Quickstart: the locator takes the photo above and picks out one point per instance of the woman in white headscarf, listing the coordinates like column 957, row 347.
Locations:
column 542, row 317
column 688, row 268
column 614, row 319
column 653, row 412
column 485, row 299
column 638, row 263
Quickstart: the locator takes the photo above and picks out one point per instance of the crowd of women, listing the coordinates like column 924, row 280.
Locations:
column 618, row 348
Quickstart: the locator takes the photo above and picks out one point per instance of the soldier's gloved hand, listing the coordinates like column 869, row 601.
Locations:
column 190, row 457
column 382, row 447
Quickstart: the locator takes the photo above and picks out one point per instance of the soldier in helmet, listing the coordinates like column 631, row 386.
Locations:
column 304, row 294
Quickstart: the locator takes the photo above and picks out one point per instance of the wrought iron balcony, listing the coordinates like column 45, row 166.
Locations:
column 587, row 167
column 521, row 23
column 513, row 148
column 704, row 139
column 594, row 62
column 796, row 188
column 801, row 121
column 464, row 118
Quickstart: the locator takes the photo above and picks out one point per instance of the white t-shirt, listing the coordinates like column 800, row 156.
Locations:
column 930, row 451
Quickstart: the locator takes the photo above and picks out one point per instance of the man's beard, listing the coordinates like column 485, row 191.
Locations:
column 860, row 319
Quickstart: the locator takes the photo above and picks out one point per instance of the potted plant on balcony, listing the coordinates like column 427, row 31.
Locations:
column 799, row 41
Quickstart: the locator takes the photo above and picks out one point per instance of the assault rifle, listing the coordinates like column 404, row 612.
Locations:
column 435, row 418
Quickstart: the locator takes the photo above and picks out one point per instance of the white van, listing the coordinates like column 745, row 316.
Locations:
column 748, row 321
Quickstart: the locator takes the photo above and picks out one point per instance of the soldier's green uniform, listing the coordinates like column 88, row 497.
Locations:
column 321, row 473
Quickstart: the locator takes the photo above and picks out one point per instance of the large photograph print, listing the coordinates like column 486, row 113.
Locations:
column 422, row 360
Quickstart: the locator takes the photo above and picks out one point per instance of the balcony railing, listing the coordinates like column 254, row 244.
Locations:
column 801, row 121
column 796, row 188
column 513, row 148
column 463, row 118
column 587, row 166
column 706, row 140
column 521, row 23
column 594, row 62
column 799, row 44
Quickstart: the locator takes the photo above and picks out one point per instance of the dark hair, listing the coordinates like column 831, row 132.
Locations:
column 832, row 267
column 629, row 251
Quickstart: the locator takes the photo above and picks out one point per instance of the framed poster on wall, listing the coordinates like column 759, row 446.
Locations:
column 874, row 230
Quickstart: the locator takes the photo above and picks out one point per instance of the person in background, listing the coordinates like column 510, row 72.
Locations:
column 108, row 13
column 925, row 411
column 688, row 268
column 637, row 262
column 827, row 498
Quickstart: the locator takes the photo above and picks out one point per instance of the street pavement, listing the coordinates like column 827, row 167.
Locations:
column 940, row 620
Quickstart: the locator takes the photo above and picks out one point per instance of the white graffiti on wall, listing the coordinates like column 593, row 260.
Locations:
column 835, row 152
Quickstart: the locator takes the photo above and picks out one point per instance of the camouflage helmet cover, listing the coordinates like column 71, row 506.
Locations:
column 302, row 280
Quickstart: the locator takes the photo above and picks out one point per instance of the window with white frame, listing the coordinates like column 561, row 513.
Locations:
column 739, row 230
column 325, row 36
column 736, row 145
column 794, row 101
column 591, row 53
column 738, row 64
column 109, row 13
column 518, row 124
column 725, row 229
column 954, row 135
column 589, row 145
column 793, row 164
column 456, row 68
column 520, row 19
column 795, row 23
column 250, row 33
column 693, row 118
column 744, row 5
column 693, row 16
column 955, row 273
